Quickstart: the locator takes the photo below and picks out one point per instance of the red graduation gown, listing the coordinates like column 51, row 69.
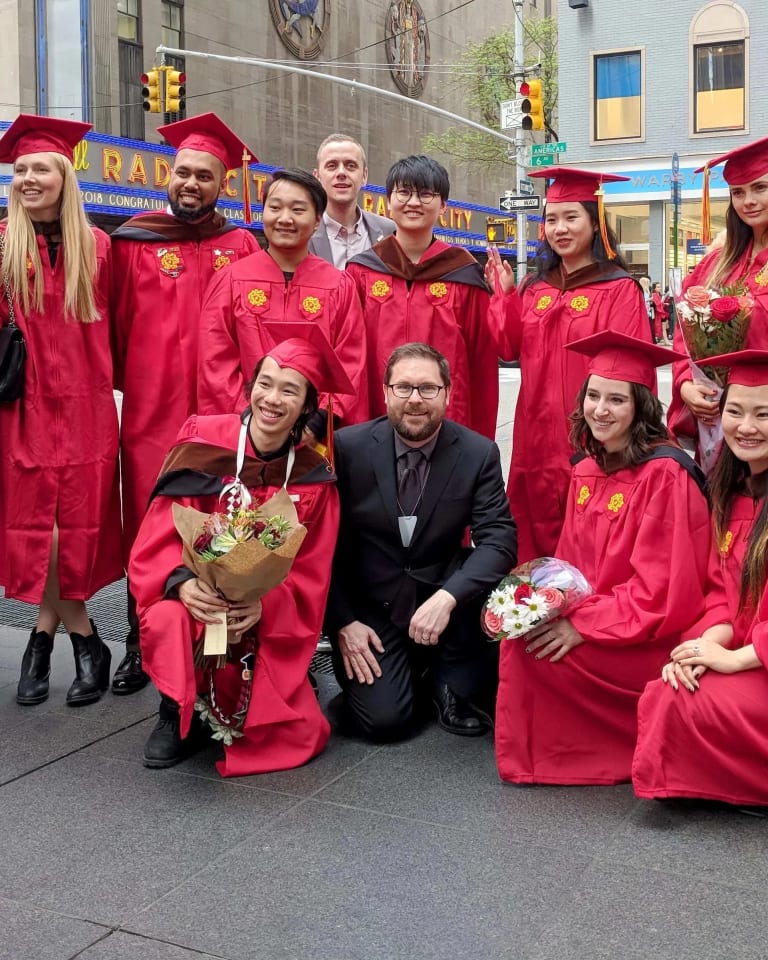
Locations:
column 755, row 277
column 158, row 290
column 641, row 538
column 59, row 444
column 712, row 744
column 284, row 726
column 537, row 330
column 255, row 290
column 450, row 314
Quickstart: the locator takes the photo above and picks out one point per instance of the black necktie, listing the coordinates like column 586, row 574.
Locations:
column 409, row 488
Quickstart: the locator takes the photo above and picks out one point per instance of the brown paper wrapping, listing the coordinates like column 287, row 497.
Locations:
column 249, row 570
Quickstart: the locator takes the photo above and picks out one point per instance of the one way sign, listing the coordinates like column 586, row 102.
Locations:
column 507, row 204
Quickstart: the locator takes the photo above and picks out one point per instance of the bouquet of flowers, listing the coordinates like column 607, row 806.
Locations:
column 531, row 595
column 713, row 322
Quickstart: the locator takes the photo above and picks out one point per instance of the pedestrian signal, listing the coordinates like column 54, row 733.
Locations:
column 151, row 91
column 532, row 106
column 175, row 91
column 499, row 230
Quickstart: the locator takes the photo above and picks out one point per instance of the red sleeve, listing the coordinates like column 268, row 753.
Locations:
column 220, row 381
column 505, row 316
column 665, row 592
column 156, row 552
column 123, row 305
column 482, row 345
column 350, row 347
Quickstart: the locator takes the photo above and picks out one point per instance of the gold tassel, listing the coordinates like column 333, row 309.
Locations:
column 609, row 251
column 706, row 222
column 247, row 218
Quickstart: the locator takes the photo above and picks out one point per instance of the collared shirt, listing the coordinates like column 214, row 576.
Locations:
column 346, row 242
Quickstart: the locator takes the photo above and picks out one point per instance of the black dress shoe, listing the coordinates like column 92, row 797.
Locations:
column 129, row 677
column 457, row 716
column 35, row 669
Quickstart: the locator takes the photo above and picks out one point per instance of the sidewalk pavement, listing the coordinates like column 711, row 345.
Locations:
column 407, row 852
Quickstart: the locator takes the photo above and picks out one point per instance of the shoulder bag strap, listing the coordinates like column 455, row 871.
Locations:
column 6, row 284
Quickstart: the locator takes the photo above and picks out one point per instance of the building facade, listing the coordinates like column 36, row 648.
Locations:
column 641, row 82
column 84, row 58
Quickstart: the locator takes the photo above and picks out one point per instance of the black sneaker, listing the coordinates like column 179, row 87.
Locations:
column 165, row 748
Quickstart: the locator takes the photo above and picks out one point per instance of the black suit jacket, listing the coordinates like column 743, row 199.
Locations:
column 373, row 573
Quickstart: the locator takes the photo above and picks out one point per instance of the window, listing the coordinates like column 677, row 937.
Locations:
column 618, row 103
column 128, row 20
column 170, row 21
column 719, row 44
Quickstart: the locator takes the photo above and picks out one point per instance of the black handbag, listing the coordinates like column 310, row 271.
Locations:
column 13, row 348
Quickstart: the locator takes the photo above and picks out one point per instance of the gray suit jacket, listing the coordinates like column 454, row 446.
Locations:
column 376, row 226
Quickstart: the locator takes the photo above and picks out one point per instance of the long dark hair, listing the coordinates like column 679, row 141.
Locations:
column 727, row 480
column 648, row 429
column 311, row 404
column 547, row 259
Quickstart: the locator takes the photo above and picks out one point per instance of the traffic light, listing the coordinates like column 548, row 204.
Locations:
column 175, row 91
column 532, row 106
column 151, row 91
column 499, row 230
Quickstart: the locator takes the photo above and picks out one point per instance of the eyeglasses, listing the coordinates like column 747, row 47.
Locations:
column 404, row 391
column 404, row 194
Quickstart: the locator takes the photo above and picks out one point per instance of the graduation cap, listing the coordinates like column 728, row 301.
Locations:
column 616, row 356
column 580, row 186
column 742, row 165
column 304, row 347
column 208, row 134
column 747, row 368
column 32, row 134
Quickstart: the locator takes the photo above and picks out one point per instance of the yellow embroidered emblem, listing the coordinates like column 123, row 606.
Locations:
column 221, row 261
column 584, row 495
column 380, row 288
column 438, row 289
column 311, row 304
column 725, row 543
column 169, row 261
column 616, row 502
column 257, row 297
column 761, row 278
column 30, row 265
column 579, row 304
column 544, row 302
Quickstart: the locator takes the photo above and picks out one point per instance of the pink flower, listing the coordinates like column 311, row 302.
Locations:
column 724, row 309
column 522, row 592
column 553, row 598
column 493, row 621
column 697, row 296
column 745, row 302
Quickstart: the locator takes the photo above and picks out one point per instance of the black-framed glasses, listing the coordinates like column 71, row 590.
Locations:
column 404, row 194
column 404, row 391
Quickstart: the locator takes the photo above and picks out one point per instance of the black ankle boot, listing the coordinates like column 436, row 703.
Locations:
column 165, row 747
column 35, row 669
column 92, row 662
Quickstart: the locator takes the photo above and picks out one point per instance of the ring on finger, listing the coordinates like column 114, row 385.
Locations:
column 696, row 650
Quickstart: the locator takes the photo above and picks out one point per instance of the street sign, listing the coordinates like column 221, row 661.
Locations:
column 544, row 149
column 511, row 114
column 519, row 203
column 547, row 160
column 675, row 166
column 526, row 187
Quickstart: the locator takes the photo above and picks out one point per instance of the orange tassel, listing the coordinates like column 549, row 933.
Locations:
column 706, row 221
column 610, row 252
column 247, row 217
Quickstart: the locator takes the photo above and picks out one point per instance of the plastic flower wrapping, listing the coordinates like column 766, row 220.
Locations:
column 532, row 595
column 713, row 322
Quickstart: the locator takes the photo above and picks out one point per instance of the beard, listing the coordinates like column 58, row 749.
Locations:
column 190, row 216
column 428, row 428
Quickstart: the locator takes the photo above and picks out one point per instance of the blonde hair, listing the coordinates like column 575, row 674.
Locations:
column 78, row 250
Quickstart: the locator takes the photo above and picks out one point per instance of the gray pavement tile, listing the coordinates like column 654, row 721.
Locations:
column 634, row 914
column 30, row 934
column 700, row 841
column 453, row 780
column 100, row 838
column 126, row 946
column 323, row 883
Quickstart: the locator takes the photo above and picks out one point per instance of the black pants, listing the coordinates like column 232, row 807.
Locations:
column 390, row 708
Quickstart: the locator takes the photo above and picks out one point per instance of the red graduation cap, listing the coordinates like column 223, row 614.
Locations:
column 32, row 134
column 742, row 165
column 616, row 356
column 747, row 368
column 580, row 186
column 208, row 134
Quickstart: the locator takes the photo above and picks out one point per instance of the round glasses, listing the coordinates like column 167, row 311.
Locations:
column 404, row 194
column 404, row 391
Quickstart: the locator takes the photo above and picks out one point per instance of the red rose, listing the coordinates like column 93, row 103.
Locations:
column 523, row 592
column 203, row 542
column 724, row 309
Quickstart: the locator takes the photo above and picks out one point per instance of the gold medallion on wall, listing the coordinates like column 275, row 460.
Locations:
column 406, row 41
column 302, row 25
